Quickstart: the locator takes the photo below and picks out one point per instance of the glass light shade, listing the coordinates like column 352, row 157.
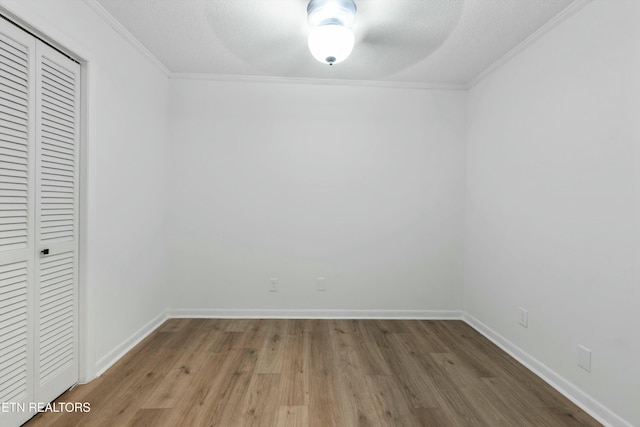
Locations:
column 331, row 44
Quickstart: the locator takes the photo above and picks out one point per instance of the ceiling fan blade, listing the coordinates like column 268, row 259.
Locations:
column 262, row 33
column 425, row 26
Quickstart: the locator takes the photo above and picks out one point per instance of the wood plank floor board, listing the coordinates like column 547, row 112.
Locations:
column 390, row 407
column 256, row 372
column 391, row 327
column 425, row 336
column 260, row 405
column 518, row 399
column 272, row 350
column 149, row 417
column 172, row 325
column 196, row 398
column 476, row 351
column 190, row 398
column 131, row 396
column 406, row 365
column 294, row 382
column 227, row 388
column 454, row 400
column 433, row 417
column 292, row 416
column 237, row 325
column 367, row 348
column 567, row 416
column 255, row 335
column 196, row 351
column 493, row 412
column 227, row 341
column 324, row 409
column 168, row 392
column 354, row 395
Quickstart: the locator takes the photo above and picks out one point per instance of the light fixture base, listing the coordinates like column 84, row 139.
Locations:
column 331, row 12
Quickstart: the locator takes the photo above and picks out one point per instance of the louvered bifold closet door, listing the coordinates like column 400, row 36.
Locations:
column 17, row 251
column 57, row 136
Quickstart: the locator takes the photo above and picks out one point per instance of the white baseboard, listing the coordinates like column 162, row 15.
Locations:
column 567, row 389
column 314, row 314
column 117, row 353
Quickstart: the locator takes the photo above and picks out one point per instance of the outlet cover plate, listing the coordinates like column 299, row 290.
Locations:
column 584, row 358
column 524, row 317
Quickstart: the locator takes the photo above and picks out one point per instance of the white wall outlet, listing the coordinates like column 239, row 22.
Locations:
column 273, row 285
column 524, row 317
column 321, row 284
column 584, row 358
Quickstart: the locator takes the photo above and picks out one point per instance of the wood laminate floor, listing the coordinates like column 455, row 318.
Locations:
column 215, row 372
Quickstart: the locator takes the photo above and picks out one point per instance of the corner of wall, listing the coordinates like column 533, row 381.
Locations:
column 566, row 13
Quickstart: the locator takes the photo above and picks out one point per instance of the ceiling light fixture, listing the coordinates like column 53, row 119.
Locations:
column 331, row 39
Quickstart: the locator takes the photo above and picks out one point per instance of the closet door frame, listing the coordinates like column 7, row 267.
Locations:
column 42, row 29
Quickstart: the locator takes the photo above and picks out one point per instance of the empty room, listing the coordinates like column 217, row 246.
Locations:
column 319, row 213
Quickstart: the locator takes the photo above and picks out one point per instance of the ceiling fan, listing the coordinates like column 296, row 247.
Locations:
column 380, row 37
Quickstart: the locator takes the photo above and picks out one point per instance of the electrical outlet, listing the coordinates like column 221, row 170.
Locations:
column 273, row 285
column 584, row 358
column 524, row 317
column 321, row 284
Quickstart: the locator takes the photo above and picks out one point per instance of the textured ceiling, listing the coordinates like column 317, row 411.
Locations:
column 442, row 42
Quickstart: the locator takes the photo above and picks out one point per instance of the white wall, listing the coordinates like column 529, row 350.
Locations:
column 553, row 193
column 127, row 148
column 365, row 185
column 360, row 185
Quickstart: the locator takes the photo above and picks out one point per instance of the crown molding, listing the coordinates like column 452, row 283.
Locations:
column 125, row 34
column 567, row 12
column 316, row 81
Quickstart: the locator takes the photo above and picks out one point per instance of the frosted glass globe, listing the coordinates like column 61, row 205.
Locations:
column 331, row 44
